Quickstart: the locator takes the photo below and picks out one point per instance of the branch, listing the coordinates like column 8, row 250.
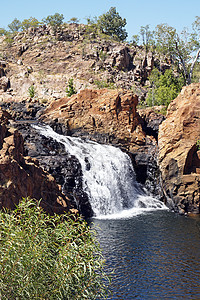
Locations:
column 194, row 62
column 182, row 61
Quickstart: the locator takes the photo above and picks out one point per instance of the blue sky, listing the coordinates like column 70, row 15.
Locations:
column 177, row 13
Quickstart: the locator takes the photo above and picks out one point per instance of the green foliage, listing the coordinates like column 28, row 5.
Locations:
column 101, row 84
column 3, row 31
column 112, row 24
column 15, row 25
column 55, row 21
column 183, row 49
column 74, row 20
column 31, row 22
column 165, row 87
column 70, row 90
column 48, row 257
column 198, row 144
column 31, row 91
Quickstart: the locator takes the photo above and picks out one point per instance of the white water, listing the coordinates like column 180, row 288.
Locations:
column 108, row 177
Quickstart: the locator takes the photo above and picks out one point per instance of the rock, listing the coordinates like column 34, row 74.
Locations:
column 178, row 153
column 109, row 113
column 21, row 176
column 64, row 167
column 4, row 83
column 151, row 120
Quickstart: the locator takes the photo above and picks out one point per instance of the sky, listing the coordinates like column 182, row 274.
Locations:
column 176, row 13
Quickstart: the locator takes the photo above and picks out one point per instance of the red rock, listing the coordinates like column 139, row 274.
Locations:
column 178, row 154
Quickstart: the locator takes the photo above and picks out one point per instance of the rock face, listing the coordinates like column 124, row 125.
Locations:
column 179, row 157
column 21, row 176
column 110, row 114
column 54, row 159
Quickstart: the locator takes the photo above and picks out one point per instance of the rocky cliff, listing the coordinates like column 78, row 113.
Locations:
column 179, row 156
column 21, row 176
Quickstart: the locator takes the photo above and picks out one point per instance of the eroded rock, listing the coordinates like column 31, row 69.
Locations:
column 178, row 152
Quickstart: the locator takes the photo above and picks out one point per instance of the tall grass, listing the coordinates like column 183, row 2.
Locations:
column 45, row 257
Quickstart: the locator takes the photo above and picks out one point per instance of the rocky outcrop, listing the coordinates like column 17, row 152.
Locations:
column 53, row 158
column 4, row 81
column 48, row 59
column 21, row 176
column 179, row 157
column 109, row 114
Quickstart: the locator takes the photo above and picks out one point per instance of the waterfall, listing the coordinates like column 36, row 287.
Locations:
column 108, row 177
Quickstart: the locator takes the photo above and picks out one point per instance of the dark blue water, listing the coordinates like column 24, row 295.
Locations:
column 154, row 256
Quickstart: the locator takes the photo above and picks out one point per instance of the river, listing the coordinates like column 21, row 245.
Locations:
column 153, row 255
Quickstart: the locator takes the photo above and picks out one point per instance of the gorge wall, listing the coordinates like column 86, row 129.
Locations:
column 179, row 155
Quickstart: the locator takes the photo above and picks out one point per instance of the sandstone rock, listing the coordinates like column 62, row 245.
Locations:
column 111, row 113
column 178, row 154
column 21, row 176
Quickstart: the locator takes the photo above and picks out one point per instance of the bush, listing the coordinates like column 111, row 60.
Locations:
column 165, row 87
column 70, row 90
column 48, row 257
column 31, row 91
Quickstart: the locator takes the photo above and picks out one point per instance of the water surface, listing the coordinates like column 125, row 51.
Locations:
column 155, row 255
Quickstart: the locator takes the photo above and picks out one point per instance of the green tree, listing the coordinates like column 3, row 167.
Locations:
column 15, row 25
column 183, row 49
column 31, row 22
column 70, row 90
column 164, row 87
column 55, row 21
column 48, row 257
column 112, row 24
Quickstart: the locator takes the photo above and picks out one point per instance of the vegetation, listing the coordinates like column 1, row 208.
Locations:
column 55, row 21
column 48, row 257
column 164, row 87
column 112, row 24
column 15, row 25
column 70, row 90
column 31, row 91
column 31, row 22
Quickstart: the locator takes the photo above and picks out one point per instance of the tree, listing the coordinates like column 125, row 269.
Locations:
column 55, row 21
column 183, row 49
column 147, row 37
column 164, row 87
column 15, row 25
column 112, row 24
column 31, row 22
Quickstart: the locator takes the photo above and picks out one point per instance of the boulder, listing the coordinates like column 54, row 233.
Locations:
column 179, row 157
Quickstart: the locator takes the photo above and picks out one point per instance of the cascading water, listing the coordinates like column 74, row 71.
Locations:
column 108, row 177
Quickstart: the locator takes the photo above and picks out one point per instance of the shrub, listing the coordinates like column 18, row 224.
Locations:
column 48, row 257
column 31, row 91
column 70, row 90
column 165, row 87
